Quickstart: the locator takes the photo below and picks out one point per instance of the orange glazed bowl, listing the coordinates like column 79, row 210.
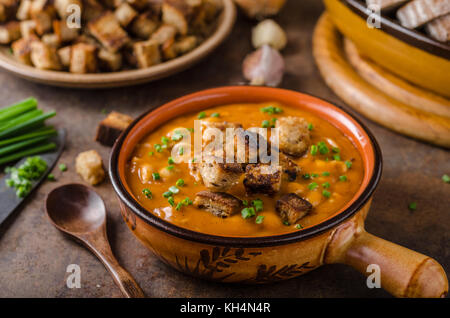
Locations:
column 341, row 238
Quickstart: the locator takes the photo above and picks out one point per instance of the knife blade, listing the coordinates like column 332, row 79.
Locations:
column 9, row 201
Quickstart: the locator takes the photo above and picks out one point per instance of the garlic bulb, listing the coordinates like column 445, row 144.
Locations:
column 265, row 66
column 269, row 32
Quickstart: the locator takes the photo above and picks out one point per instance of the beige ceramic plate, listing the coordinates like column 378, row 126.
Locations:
column 124, row 78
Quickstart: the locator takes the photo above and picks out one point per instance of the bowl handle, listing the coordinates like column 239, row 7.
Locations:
column 402, row 272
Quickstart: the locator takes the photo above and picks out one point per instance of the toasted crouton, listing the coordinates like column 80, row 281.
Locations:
column 144, row 25
column 125, row 14
column 23, row 12
column 164, row 33
column 291, row 208
column 108, row 31
column 175, row 12
column 220, row 204
column 92, row 9
column 111, row 127
column 439, row 29
column 418, row 12
column 89, row 166
column 147, row 53
column 83, row 58
column 109, row 60
column 139, row 4
column 44, row 56
column 294, row 136
column 64, row 33
column 168, row 49
column 63, row 6
column 9, row 32
column 27, row 28
column 290, row 168
column 43, row 19
column 386, row 5
column 261, row 178
column 51, row 39
column 64, row 55
column 185, row 44
column 22, row 49
column 219, row 176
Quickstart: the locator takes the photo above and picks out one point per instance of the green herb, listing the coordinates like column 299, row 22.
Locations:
column 215, row 115
column 170, row 161
column 312, row 186
column 150, row 153
column 191, row 130
column 51, row 177
column 326, row 185
column 306, row 176
column 28, row 152
column 156, row 176
column 248, row 213
column 244, row 202
column 171, row 201
column 174, row 189
column 314, row 150
column 446, row 178
column 167, row 194
column 41, row 132
column 181, row 151
column 323, row 149
column 298, row 226
column 165, row 140
column 337, row 157
column 147, row 193
column 21, row 178
column 177, row 136
column 179, row 206
column 265, row 124
column 258, row 204
column 186, row 201
column 326, row 193
column 342, row 178
column 310, row 126
column 325, row 173
column 271, row 110
column 314, row 175
column 286, row 223
column 273, row 120
column 336, row 149
column 158, row 148
column 170, row 168
column 348, row 164
column 201, row 115
column 62, row 167
column 180, row 183
column 412, row 206
column 259, row 219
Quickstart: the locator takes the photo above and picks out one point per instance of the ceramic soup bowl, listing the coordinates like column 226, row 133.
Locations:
column 339, row 239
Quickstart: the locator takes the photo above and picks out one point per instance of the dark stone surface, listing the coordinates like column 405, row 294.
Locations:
column 34, row 255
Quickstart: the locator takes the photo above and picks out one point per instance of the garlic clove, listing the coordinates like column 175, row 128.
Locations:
column 269, row 32
column 260, row 9
column 264, row 66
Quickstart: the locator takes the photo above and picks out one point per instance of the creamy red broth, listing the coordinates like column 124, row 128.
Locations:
column 334, row 176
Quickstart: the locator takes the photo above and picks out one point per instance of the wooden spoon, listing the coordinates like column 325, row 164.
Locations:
column 79, row 211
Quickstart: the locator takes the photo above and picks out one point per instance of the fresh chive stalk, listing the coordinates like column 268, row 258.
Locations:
column 28, row 152
column 18, row 108
column 26, row 126
column 20, row 145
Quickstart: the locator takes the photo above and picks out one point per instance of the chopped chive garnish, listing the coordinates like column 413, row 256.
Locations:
column 158, row 148
column 170, row 168
column 51, row 177
column 150, row 153
column 171, row 201
column 348, row 164
column 259, row 219
column 298, row 226
column 273, row 120
column 312, row 186
column 191, row 130
column 63, row 167
column 265, row 124
column 337, row 157
column 215, row 115
column 181, row 151
column 314, row 150
column 174, row 189
column 258, row 204
column 412, row 206
column 245, row 202
column 326, row 193
column 248, row 213
column 323, row 149
column 165, row 140
column 170, row 161
column 342, row 178
column 326, row 185
column 271, row 110
column 177, row 136
column 179, row 206
column 314, row 175
column 446, row 178
column 167, row 194
column 156, row 176
column 186, row 201
column 306, row 176
column 310, row 126
column 147, row 193
column 180, row 183
column 201, row 115
column 286, row 223
column 325, row 173
column 335, row 149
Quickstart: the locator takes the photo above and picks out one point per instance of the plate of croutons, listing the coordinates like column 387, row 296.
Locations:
column 108, row 43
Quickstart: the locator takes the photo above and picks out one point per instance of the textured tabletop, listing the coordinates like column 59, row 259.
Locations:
column 34, row 255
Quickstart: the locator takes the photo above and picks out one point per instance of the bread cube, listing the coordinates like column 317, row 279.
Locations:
column 144, row 25
column 83, row 58
column 44, row 57
column 108, row 31
column 125, row 14
column 147, row 53
column 89, row 166
column 9, row 32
